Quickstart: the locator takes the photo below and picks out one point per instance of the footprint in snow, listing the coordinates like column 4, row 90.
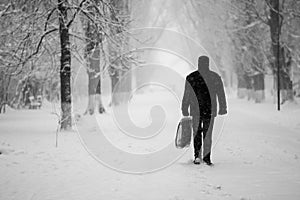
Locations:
column 219, row 187
column 20, row 153
column 6, row 151
column 5, row 144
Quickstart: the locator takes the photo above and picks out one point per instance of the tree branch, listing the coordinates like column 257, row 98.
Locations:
column 75, row 13
column 48, row 18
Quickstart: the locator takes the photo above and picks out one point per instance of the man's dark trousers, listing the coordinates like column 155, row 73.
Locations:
column 202, row 129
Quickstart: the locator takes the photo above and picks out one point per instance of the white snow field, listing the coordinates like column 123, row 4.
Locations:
column 256, row 157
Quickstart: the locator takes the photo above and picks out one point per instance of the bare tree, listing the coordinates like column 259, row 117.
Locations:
column 32, row 37
column 65, row 65
column 95, row 34
column 119, row 56
column 276, row 19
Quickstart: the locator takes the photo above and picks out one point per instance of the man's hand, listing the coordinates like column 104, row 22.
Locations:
column 222, row 112
column 185, row 114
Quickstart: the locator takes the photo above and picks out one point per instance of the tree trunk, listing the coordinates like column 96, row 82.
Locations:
column 275, row 29
column 287, row 84
column 241, row 86
column 94, row 84
column 259, row 87
column 115, row 92
column 65, row 68
column 119, row 94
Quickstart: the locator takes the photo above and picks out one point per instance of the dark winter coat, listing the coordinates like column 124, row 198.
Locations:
column 201, row 93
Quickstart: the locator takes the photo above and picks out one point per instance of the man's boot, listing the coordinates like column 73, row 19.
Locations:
column 207, row 159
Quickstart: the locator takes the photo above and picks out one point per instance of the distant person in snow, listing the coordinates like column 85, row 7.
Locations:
column 202, row 88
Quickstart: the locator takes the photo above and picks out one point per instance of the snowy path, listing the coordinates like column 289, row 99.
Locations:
column 256, row 158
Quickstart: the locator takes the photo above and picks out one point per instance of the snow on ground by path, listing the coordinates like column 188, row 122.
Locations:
column 257, row 157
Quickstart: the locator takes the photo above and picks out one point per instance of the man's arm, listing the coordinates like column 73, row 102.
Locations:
column 186, row 99
column 221, row 97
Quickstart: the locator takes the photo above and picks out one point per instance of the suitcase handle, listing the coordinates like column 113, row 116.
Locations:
column 176, row 144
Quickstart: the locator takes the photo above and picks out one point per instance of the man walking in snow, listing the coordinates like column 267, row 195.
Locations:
column 202, row 89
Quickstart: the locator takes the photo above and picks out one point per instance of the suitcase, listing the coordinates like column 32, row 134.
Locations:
column 184, row 133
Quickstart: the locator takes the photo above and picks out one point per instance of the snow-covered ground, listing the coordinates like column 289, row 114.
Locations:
column 256, row 157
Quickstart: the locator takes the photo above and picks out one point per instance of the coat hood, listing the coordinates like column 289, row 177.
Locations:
column 203, row 64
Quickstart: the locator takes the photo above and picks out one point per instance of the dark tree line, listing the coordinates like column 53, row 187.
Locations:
column 264, row 34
